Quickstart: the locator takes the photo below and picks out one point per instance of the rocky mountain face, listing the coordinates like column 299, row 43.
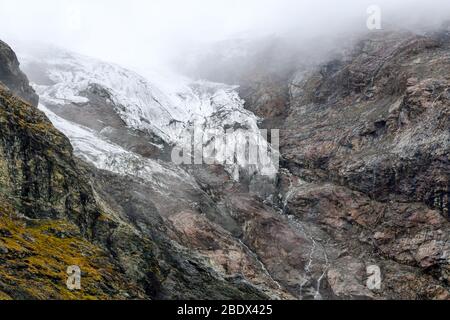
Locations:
column 364, row 177
column 12, row 77
column 365, row 140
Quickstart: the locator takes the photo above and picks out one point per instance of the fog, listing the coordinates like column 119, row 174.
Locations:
column 145, row 33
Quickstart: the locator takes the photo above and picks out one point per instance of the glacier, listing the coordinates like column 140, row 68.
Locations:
column 110, row 157
column 167, row 105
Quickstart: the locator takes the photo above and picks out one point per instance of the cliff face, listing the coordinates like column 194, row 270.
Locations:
column 47, row 210
column 370, row 135
column 365, row 144
column 377, row 122
column 38, row 169
column 12, row 77
column 365, row 139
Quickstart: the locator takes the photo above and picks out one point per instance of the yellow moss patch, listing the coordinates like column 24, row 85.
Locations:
column 4, row 296
column 38, row 254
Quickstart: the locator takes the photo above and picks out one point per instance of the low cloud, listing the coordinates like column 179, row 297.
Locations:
column 142, row 33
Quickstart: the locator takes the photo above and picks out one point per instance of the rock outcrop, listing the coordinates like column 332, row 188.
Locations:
column 12, row 77
column 48, row 213
column 366, row 141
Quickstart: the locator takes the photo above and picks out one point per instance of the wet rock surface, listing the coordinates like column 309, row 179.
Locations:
column 366, row 143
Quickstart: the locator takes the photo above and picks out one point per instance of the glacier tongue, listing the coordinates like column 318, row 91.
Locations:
column 166, row 105
column 110, row 157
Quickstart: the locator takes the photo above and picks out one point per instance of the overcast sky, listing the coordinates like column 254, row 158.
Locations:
column 146, row 32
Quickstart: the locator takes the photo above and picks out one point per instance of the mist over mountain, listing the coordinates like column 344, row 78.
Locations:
column 142, row 34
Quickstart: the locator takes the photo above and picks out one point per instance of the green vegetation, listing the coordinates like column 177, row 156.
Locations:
column 35, row 255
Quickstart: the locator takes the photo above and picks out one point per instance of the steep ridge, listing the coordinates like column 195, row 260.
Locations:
column 12, row 77
column 48, row 212
column 370, row 133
